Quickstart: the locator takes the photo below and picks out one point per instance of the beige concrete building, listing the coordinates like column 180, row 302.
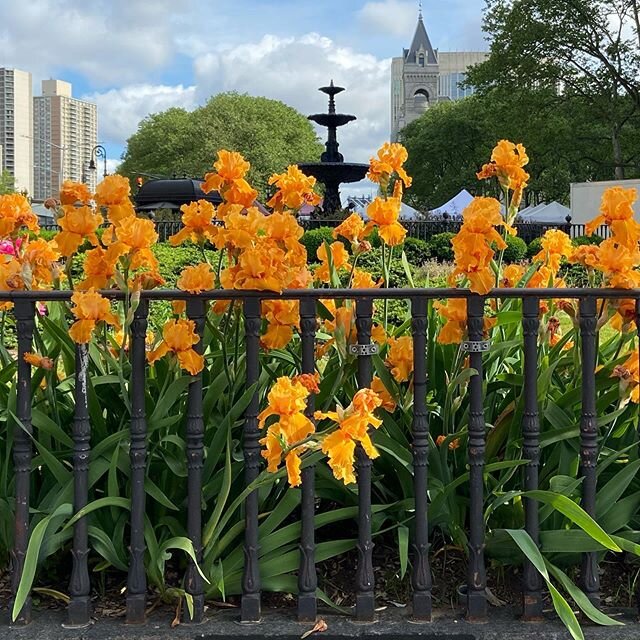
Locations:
column 65, row 131
column 16, row 126
column 423, row 76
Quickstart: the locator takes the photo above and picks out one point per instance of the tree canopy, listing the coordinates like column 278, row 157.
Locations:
column 584, row 50
column 563, row 77
column 270, row 134
column 451, row 141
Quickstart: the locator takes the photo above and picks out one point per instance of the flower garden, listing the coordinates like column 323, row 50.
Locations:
column 325, row 423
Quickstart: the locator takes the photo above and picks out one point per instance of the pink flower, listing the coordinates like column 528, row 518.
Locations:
column 8, row 248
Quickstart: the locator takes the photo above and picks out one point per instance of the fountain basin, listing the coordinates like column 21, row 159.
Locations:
column 335, row 172
column 331, row 119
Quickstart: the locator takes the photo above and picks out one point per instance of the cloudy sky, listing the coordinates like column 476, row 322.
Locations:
column 135, row 57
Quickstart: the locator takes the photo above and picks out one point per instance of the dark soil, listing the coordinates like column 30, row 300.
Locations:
column 618, row 579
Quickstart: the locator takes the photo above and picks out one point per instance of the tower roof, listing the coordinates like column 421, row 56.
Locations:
column 421, row 41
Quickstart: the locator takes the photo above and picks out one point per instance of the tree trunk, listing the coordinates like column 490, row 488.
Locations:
column 618, row 160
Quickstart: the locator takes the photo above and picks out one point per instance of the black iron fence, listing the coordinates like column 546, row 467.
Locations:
column 79, row 608
column 422, row 229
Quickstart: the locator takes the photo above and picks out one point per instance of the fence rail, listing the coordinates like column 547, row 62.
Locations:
column 421, row 229
column 79, row 608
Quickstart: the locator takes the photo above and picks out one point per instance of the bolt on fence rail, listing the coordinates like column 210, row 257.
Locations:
column 79, row 608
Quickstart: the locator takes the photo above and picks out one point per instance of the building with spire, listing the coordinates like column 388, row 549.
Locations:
column 423, row 76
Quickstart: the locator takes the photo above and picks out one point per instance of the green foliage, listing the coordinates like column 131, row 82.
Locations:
column 440, row 246
column 587, row 240
column 416, row 250
column 313, row 240
column 7, row 183
column 174, row 259
column 270, row 134
column 516, row 249
column 535, row 246
column 552, row 43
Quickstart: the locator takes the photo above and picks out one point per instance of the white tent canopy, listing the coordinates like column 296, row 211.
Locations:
column 553, row 213
column 455, row 206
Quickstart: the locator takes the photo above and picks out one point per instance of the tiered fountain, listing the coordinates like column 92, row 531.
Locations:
column 332, row 170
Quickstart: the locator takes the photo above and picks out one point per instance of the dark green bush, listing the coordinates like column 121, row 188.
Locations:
column 312, row 240
column 534, row 247
column 417, row 251
column 516, row 250
column 440, row 246
column 586, row 240
column 174, row 259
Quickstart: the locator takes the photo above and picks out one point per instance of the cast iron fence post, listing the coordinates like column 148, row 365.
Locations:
column 22, row 453
column 477, row 579
column 532, row 582
column 421, row 576
column 589, row 439
column 137, row 580
column 194, row 584
column 79, row 609
column 307, row 577
column 250, row 604
column 365, row 599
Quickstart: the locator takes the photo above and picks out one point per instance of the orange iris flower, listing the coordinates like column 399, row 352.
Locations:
column 287, row 401
column 390, row 159
column 179, row 336
column 384, row 214
column 400, row 358
column 282, row 317
column 197, row 218
column 72, row 192
column 294, row 189
column 353, row 426
column 15, row 213
column 90, row 308
column 78, row 224
column 339, row 259
column 616, row 211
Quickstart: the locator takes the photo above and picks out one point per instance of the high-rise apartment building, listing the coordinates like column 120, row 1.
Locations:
column 424, row 76
column 65, row 131
column 16, row 127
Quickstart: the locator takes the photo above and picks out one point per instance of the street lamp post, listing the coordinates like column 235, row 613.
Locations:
column 98, row 152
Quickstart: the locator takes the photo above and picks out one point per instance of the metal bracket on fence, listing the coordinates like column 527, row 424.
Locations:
column 476, row 347
column 363, row 349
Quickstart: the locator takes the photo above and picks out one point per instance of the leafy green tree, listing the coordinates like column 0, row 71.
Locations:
column 7, row 183
column 585, row 50
column 565, row 140
column 270, row 134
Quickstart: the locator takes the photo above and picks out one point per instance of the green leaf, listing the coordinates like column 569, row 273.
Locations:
column 576, row 514
column 31, row 558
column 403, row 546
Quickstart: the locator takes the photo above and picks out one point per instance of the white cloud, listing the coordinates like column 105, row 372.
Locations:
column 291, row 69
column 120, row 110
column 397, row 17
column 109, row 42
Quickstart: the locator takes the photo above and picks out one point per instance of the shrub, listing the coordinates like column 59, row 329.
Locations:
column 174, row 259
column 312, row 240
column 417, row 251
column 534, row 247
column 582, row 240
column 516, row 249
column 440, row 246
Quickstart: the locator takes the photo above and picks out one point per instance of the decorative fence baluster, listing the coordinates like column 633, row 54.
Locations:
column 477, row 579
column 365, row 598
column 421, row 576
column 589, row 439
column 79, row 610
column 532, row 581
column 250, row 605
column 307, row 576
column 137, row 580
column 194, row 584
column 22, row 452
